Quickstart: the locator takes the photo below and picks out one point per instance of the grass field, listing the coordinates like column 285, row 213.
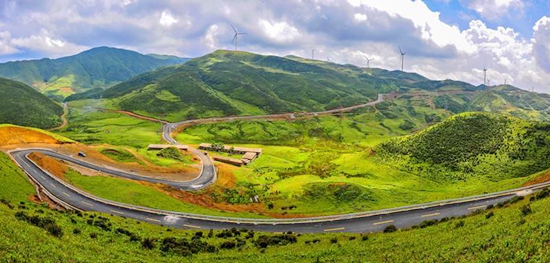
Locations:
column 518, row 232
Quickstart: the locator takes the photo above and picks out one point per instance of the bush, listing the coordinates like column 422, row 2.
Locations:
column 525, row 210
column 228, row 244
column 334, row 240
column 148, row 243
column 364, row 238
column 390, row 229
column 489, row 215
column 93, row 235
column 76, row 231
column 459, row 224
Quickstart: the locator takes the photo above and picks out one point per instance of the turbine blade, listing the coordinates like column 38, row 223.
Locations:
column 234, row 28
column 235, row 37
column 400, row 51
column 241, row 33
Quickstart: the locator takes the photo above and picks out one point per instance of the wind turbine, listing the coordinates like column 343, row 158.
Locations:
column 368, row 61
column 312, row 54
column 236, row 37
column 402, row 57
column 484, row 75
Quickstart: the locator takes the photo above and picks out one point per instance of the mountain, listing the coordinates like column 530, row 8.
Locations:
column 240, row 83
column 469, row 145
column 96, row 68
column 23, row 105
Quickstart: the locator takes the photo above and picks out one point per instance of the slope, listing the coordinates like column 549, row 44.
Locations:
column 241, row 83
column 22, row 105
column 480, row 145
column 98, row 67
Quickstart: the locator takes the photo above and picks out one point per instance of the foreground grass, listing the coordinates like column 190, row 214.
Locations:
column 516, row 233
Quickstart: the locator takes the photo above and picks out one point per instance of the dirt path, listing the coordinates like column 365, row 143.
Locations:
column 63, row 118
column 135, row 115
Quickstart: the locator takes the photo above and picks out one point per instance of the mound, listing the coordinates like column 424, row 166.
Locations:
column 472, row 144
column 22, row 105
column 11, row 134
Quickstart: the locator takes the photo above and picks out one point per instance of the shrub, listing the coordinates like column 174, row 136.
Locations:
column 228, row 244
column 93, row 235
column 489, row 215
column 334, row 240
column 390, row 229
column 525, row 210
column 148, row 243
column 364, row 238
column 76, row 231
column 459, row 224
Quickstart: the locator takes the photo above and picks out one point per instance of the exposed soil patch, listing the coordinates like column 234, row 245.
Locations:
column 51, row 165
column 541, row 179
column 12, row 135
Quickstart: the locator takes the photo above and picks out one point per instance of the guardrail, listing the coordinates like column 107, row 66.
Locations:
column 319, row 219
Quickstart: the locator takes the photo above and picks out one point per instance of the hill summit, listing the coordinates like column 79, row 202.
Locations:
column 467, row 144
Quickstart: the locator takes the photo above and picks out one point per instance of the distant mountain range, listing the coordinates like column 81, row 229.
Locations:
column 99, row 67
column 236, row 83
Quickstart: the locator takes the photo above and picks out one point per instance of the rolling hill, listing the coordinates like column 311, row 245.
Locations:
column 469, row 145
column 241, row 83
column 23, row 105
column 96, row 68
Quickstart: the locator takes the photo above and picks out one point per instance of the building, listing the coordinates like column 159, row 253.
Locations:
column 249, row 154
column 164, row 146
column 228, row 160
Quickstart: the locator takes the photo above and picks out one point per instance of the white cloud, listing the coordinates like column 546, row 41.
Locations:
column 279, row 32
column 495, row 9
column 360, row 17
column 166, row 19
column 210, row 37
column 46, row 43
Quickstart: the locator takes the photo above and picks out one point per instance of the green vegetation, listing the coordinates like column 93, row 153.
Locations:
column 173, row 153
column 514, row 232
column 120, row 155
column 467, row 145
column 22, row 105
column 329, row 165
column 131, row 192
column 96, row 68
column 239, row 83
column 14, row 184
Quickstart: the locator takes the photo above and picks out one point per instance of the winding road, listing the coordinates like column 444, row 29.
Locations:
column 371, row 221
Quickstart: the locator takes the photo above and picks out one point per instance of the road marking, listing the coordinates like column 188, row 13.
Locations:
column 334, row 229
column 383, row 222
column 53, row 185
column 191, row 226
column 86, row 203
column 66, row 194
column 154, row 220
column 476, row 207
column 118, row 212
column 428, row 215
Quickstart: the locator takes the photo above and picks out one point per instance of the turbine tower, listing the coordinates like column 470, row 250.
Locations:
column 368, row 61
column 236, row 37
column 312, row 54
column 402, row 57
column 484, row 75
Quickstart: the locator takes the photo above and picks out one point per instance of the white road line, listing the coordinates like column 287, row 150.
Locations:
column 383, row 222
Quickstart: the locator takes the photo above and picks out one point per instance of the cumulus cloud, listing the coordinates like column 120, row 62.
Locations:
column 495, row 9
column 345, row 32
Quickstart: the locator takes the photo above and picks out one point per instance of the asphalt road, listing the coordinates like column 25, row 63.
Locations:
column 372, row 221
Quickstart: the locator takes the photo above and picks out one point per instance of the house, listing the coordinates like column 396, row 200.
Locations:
column 228, row 160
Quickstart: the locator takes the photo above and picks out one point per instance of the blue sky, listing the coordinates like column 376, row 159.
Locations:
column 443, row 39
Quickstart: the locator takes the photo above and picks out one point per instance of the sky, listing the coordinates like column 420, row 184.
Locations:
column 443, row 39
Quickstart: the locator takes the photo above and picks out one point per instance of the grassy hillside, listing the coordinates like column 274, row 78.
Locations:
column 472, row 144
column 95, row 68
column 517, row 232
column 22, row 105
column 241, row 83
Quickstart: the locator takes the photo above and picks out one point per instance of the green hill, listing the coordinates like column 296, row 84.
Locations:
column 486, row 145
column 23, row 105
column 241, row 83
column 96, row 68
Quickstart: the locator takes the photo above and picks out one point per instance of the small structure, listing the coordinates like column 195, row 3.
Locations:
column 164, row 146
column 228, row 160
column 249, row 154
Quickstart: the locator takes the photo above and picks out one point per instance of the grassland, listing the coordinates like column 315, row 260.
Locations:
column 332, row 164
column 518, row 232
